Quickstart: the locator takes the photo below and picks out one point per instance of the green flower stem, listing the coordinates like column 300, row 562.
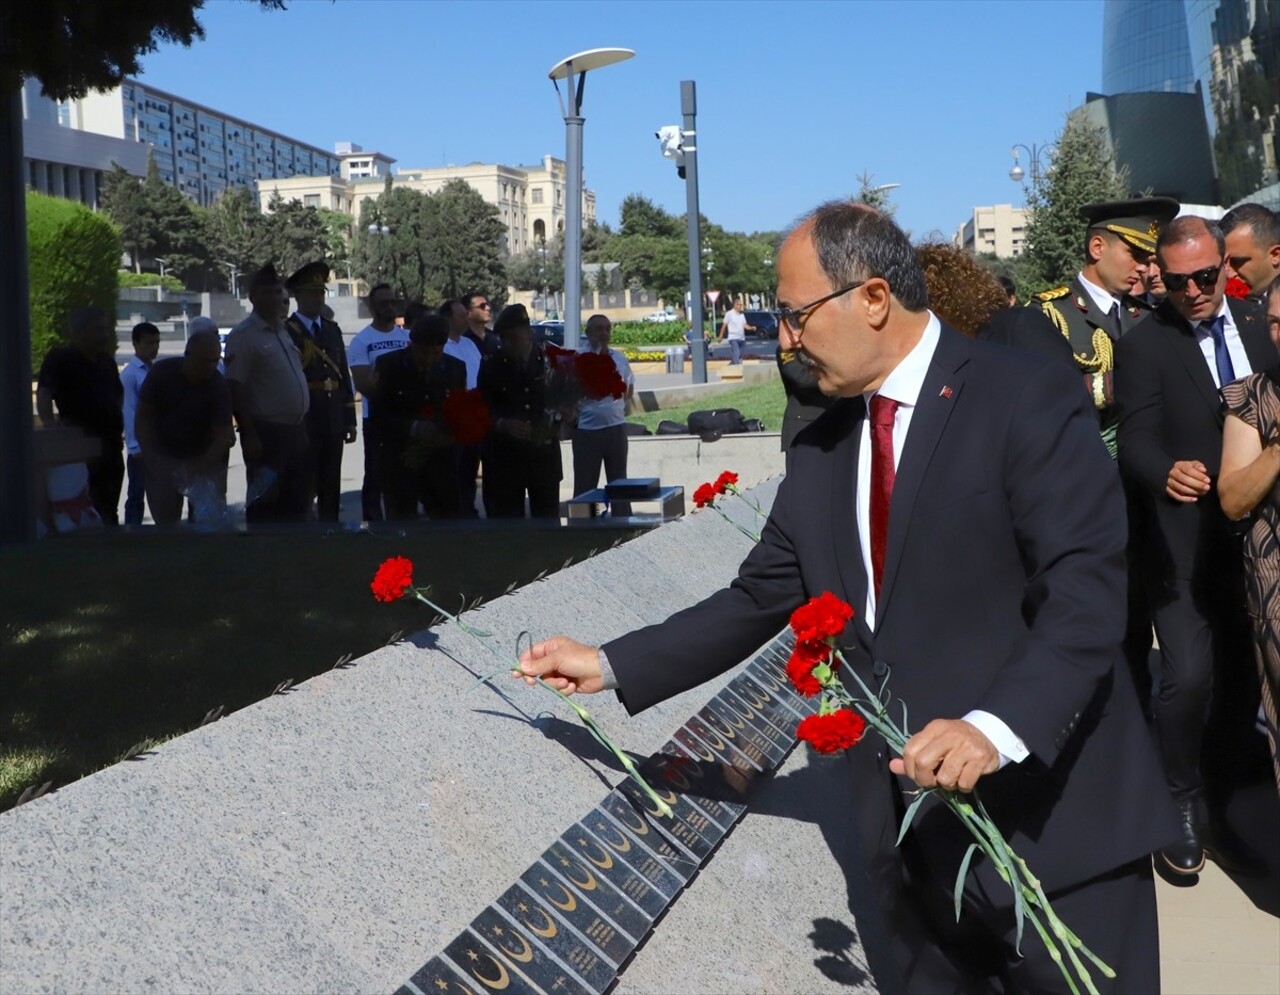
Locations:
column 751, row 502
column 584, row 716
column 746, row 532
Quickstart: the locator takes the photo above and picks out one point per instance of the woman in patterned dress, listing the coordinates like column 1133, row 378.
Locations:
column 1249, row 486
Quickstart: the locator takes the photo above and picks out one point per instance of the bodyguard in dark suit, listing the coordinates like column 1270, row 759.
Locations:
column 1171, row 416
column 417, row 456
column 958, row 496
column 331, row 419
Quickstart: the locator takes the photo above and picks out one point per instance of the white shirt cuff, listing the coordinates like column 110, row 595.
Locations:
column 607, row 676
column 1011, row 748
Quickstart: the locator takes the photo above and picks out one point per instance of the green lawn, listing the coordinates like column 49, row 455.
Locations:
column 765, row 401
column 114, row 642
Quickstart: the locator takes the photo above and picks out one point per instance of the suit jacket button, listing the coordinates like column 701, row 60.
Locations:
column 879, row 669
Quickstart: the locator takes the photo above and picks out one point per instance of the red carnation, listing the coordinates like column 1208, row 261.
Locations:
column 558, row 358
column 800, row 666
column 832, row 732
column 393, row 579
column 823, row 617
column 467, row 415
column 599, row 375
column 725, row 481
column 704, row 495
column 1237, row 288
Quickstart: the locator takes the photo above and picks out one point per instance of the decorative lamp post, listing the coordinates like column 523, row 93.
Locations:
column 1039, row 158
column 573, row 71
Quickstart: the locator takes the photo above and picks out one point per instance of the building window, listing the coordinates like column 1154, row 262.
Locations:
column 537, row 195
column 311, row 200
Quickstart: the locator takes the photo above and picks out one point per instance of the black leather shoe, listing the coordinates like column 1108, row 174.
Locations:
column 1186, row 856
column 1229, row 851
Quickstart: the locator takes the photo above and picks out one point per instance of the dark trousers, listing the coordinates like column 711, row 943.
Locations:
column 326, row 429
column 1203, row 634
column 277, row 480
column 106, row 478
column 135, row 497
column 596, row 448
column 468, row 466
column 428, row 479
column 512, row 471
column 1114, row 915
column 371, row 488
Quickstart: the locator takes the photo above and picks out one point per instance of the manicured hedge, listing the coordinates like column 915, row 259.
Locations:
column 130, row 279
column 647, row 333
column 73, row 255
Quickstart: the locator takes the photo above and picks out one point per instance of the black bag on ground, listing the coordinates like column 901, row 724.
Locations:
column 752, row 425
column 726, row 421
column 667, row 427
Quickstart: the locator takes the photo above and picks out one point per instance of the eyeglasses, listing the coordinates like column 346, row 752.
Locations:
column 483, row 307
column 1206, row 279
column 795, row 319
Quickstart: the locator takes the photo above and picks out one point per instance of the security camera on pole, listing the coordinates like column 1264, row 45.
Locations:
column 681, row 144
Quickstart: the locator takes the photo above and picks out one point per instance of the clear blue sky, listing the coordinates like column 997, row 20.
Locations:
column 795, row 99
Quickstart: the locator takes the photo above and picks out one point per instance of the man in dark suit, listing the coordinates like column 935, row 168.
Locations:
column 1171, row 368
column 408, row 413
column 331, row 419
column 959, row 497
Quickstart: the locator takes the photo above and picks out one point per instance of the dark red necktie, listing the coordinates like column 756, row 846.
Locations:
column 883, row 410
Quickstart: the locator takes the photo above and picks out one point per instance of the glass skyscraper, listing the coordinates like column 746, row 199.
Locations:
column 1145, row 48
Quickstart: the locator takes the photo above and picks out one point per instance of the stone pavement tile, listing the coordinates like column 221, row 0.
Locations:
column 1224, row 942
column 1185, row 978
column 1214, row 894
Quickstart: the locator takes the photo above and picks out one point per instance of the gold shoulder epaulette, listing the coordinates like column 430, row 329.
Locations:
column 1054, row 294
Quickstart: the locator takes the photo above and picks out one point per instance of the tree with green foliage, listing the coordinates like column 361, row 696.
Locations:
column 876, row 197
column 398, row 255
column 535, row 270
column 465, row 235
column 231, row 226
column 1083, row 171
column 338, row 232
column 290, row 235
column 122, row 199
column 157, row 222
column 73, row 258
column 642, row 217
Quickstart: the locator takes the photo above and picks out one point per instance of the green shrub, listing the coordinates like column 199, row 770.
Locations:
column 648, row 333
column 130, row 279
column 72, row 258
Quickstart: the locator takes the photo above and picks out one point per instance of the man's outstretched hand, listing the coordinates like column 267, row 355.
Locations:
column 563, row 663
column 947, row 753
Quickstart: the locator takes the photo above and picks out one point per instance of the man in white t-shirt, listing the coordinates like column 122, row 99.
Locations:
column 601, row 435
column 735, row 329
column 460, row 346
column 381, row 336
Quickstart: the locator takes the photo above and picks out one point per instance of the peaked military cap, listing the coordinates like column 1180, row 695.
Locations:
column 1137, row 221
column 312, row 276
column 264, row 277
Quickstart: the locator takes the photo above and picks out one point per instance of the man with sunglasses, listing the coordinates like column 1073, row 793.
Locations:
column 1100, row 304
column 479, row 315
column 1171, row 368
column 957, row 495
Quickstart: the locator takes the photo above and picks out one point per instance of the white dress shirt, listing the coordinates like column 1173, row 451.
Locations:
column 464, row 349
column 1235, row 348
column 903, row 385
column 131, row 378
column 1104, row 299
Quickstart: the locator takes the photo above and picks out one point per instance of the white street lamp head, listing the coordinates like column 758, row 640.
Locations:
column 1017, row 172
column 592, row 58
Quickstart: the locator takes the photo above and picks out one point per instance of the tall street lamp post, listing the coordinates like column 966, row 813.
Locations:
column 1039, row 158
column 573, row 71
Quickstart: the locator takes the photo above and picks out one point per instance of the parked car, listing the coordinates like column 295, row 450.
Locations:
column 548, row 331
column 660, row 317
column 765, row 322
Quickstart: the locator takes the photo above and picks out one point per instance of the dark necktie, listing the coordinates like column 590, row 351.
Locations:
column 1113, row 316
column 1221, row 357
column 883, row 410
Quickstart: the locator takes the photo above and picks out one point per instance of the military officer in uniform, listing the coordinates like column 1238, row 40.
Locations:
column 331, row 420
column 1101, row 303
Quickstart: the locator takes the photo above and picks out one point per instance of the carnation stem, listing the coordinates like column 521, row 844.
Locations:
column 745, row 531
column 584, row 716
column 751, row 502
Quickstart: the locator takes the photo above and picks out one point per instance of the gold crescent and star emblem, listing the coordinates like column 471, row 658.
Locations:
column 605, row 864
column 547, row 931
column 715, row 742
column 700, row 751
column 623, row 844
column 493, row 984
column 524, row 955
column 744, row 711
column 736, row 722
column 444, row 986
column 751, row 698
column 640, row 828
column 570, row 903
column 676, row 776
column 587, row 885
column 768, row 682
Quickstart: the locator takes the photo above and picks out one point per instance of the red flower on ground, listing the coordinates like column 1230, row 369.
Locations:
column 599, row 375
column 832, row 732
column 393, row 579
column 800, row 666
column 725, row 481
column 1237, row 288
column 823, row 617
column 704, row 495
column 466, row 413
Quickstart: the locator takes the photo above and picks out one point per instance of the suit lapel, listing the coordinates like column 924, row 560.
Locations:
column 938, row 398
column 844, row 512
column 1096, row 317
column 1192, row 359
column 1253, row 335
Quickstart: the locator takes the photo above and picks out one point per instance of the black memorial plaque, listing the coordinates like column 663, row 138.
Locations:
column 592, row 887
column 634, row 820
column 758, row 720
column 586, row 919
column 775, row 680
column 721, row 727
column 525, row 951
column 722, row 747
column 720, row 715
column 437, row 977
column 616, row 871
column 539, row 918
column 768, row 704
column 656, row 871
column 703, row 784
column 484, row 968
column 688, row 826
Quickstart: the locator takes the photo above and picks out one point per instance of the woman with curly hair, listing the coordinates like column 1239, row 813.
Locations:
column 968, row 297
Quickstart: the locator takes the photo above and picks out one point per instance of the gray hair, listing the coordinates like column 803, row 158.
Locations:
column 1188, row 228
column 202, row 324
column 855, row 242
